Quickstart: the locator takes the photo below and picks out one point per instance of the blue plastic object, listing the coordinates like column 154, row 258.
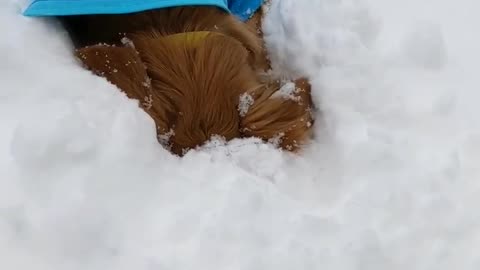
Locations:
column 243, row 9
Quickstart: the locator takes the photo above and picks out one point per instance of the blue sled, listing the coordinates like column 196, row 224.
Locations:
column 243, row 9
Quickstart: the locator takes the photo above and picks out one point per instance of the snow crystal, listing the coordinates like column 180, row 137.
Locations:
column 165, row 137
column 276, row 140
column 287, row 91
column 127, row 42
column 148, row 82
column 148, row 102
column 246, row 100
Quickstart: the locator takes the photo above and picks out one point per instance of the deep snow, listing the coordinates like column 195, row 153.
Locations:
column 391, row 181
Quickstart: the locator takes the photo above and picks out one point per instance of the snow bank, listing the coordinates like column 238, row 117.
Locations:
column 389, row 183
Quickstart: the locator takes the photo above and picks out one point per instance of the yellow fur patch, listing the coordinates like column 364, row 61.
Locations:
column 191, row 39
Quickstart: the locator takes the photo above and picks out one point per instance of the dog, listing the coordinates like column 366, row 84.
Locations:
column 198, row 71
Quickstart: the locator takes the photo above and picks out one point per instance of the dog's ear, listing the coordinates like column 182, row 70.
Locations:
column 279, row 114
column 123, row 67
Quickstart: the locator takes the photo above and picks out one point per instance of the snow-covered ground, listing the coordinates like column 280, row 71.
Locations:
column 392, row 180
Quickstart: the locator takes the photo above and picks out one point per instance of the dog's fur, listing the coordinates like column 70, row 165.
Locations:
column 193, row 90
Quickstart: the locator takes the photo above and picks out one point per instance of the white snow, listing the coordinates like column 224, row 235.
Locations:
column 287, row 91
column 245, row 101
column 390, row 182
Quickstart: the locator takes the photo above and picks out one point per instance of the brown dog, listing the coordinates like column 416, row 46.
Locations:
column 198, row 72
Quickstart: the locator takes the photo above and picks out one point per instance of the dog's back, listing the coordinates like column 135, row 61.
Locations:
column 87, row 30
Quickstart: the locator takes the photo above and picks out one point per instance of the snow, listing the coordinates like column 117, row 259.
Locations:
column 390, row 182
column 245, row 101
column 287, row 91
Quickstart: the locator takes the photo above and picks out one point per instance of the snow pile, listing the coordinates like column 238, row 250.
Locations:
column 391, row 181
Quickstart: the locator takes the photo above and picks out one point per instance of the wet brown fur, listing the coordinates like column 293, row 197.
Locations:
column 191, row 89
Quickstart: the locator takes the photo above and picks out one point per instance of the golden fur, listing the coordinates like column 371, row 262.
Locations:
column 194, row 90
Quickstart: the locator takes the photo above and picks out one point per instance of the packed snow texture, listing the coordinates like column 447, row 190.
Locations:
column 392, row 180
